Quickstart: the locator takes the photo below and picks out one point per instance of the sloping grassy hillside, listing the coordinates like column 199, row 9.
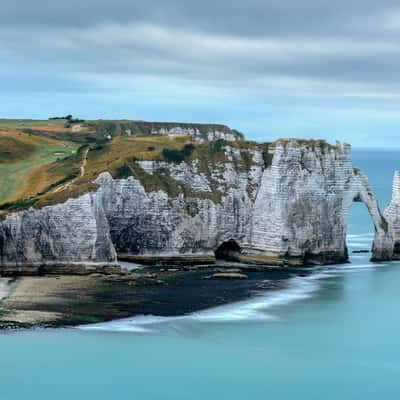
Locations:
column 95, row 131
column 47, row 162
column 20, row 154
column 74, row 175
column 117, row 157
column 13, row 149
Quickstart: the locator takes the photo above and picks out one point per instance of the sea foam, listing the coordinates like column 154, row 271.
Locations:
column 262, row 307
column 254, row 309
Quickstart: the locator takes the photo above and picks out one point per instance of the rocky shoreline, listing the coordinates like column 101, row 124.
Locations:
column 70, row 300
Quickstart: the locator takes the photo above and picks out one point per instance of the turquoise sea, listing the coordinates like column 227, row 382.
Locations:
column 333, row 334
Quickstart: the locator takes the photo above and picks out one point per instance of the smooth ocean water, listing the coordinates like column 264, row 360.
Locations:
column 332, row 335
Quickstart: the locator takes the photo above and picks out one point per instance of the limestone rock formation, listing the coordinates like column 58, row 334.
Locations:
column 199, row 132
column 287, row 207
column 70, row 237
column 293, row 212
column 210, row 134
column 301, row 210
column 392, row 213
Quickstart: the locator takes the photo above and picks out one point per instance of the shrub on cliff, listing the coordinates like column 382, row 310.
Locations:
column 177, row 156
column 217, row 145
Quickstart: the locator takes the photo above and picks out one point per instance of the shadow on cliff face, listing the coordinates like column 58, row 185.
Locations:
column 229, row 251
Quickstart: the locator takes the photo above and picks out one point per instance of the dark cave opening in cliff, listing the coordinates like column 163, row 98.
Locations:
column 229, row 251
column 360, row 232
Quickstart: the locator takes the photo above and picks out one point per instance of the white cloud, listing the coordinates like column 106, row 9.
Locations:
column 197, row 45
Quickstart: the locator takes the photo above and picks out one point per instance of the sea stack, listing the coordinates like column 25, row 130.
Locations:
column 392, row 214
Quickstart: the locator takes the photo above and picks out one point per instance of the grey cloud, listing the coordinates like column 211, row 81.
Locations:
column 158, row 50
column 185, row 52
column 251, row 17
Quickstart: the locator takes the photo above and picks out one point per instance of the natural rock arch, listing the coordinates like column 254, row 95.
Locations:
column 383, row 244
column 300, row 213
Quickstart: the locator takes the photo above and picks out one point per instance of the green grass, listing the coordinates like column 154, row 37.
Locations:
column 20, row 155
column 12, row 149
column 12, row 175
column 119, row 157
column 33, row 174
column 37, row 170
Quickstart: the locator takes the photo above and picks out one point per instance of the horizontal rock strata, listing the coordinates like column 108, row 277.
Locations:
column 289, row 207
column 70, row 237
column 392, row 214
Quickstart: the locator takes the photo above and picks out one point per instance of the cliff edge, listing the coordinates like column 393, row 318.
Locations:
column 284, row 203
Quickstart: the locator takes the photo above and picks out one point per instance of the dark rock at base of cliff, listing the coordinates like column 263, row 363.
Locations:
column 308, row 259
column 62, row 268
column 325, row 258
column 167, row 260
column 226, row 275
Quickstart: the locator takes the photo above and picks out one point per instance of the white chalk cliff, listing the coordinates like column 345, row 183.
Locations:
column 289, row 208
column 392, row 214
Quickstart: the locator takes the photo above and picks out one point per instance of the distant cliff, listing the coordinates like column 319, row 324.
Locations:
column 285, row 203
column 200, row 132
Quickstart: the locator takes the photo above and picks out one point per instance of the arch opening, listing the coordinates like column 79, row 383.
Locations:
column 360, row 232
column 228, row 250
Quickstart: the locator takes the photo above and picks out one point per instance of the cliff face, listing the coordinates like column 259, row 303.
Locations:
column 191, row 223
column 290, row 206
column 209, row 133
column 293, row 212
column 73, row 236
column 199, row 132
column 392, row 214
column 302, row 208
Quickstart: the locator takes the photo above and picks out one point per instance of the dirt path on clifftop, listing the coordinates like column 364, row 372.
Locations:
column 82, row 169
column 84, row 162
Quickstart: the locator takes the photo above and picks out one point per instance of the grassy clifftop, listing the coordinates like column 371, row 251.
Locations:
column 92, row 131
column 120, row 157
column 20, row 155
column 54, row 160
column 47, row 162
column 144, row 128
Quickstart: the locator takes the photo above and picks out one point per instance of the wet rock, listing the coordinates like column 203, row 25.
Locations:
column 226, row 275
column 150, row 275
column 228, row 270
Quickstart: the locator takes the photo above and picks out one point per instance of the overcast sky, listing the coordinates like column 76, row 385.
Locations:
column 270, row 68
